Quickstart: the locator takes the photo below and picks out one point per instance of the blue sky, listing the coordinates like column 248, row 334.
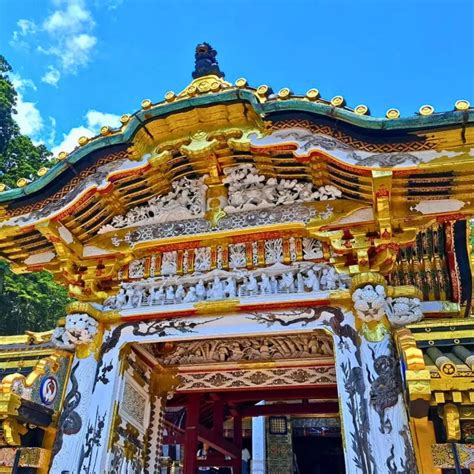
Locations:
column 80, row 64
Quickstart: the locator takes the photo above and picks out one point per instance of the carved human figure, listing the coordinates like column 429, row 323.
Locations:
column 191, row 296
column 287, row 283
column 265, row 285
column 217, row 290
column 312, row 281
column 274, row 284
column 129, row 292
column 300, row 284
column 137, row 296
column 331, row 279
column 252, row 285
column 200, row 291
column 170, row 298
column 121, row 299
column 230, row 289
column 243, row 287
column 180, row 294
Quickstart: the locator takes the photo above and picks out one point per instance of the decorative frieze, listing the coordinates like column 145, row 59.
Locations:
column 301, row 277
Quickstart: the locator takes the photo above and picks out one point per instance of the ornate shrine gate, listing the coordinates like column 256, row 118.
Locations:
column 234, row 241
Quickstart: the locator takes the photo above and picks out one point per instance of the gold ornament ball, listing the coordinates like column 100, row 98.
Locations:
column 361, row 110
column 284, row 93
column 125, row 119
column 22, row 182
column 338, row 101
column 3, row 187
column 263, row 90
column 42, row 171
column 312, row 94
column 191, row 90
column 146, row 104
column 62, row 155
column 392, row 113
column 170, row 96
column 241, row 82
column 215, row 86
column 462, row 105
column 83, row 141
column 105, row 130
column 426, row 110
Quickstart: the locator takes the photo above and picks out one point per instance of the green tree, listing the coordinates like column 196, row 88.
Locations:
column 27, row 302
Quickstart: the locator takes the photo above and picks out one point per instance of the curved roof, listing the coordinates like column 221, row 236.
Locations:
column 211, row 91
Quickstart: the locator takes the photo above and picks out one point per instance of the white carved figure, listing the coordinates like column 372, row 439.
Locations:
column 403, row 310
column 274, row 284
column 137, row 296
column 129, row 292
column 169, row 294
column 252, row 286
column 300, row 284
column 287, row 283
column 180, row 294
column 186, row 200
column 79, row 328
column 200, row 291
column 248, row 190
column 230, row 289
column 312, row 281
column 265, row 285
column 217, row 290
column 191, row 296
column 369, row 303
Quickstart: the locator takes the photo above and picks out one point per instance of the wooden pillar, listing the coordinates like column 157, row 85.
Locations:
column 237, row 465
column 218, row 418
column 191, row 434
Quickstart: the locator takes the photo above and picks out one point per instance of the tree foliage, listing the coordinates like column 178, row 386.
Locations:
column 27, row 302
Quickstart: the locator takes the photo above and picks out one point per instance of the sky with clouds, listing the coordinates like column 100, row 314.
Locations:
column 80, row 64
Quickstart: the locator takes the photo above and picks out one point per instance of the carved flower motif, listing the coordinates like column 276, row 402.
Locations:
column 369, row 303
column 402, row 311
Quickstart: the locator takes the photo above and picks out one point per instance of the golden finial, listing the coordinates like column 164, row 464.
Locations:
column 284, row 93
column 426, row 110
column 241, row 82
column 62, row 155
column 392, row 114
column 462, row 105
column 338, row 101
column 263, row 90
column 3, row 187
column 105, row 130
column 125, row 119
column 83, row 141
column 22, row 182
column 42, row 171
column 170, row 96
column 312, row 94
column 146, row 104
column 361, row 110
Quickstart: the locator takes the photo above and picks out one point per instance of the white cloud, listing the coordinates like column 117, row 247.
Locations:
column 28, row 117
column 94, row 121
column 66, row 35
column 52, row 76
column 26, row 28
